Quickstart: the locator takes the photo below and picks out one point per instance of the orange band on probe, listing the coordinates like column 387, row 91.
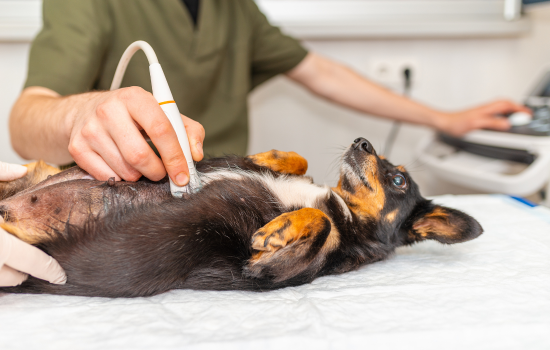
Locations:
column 166, row 102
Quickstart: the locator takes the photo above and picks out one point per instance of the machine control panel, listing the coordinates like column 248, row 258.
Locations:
column 538, row 125
column 539, row 102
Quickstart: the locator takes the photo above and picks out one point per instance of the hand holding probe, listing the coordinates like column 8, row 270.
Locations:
column 163, row 95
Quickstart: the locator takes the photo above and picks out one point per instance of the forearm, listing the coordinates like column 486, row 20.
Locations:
column 40, row 124
column 342, row 85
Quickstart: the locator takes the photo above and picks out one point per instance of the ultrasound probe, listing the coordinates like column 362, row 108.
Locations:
column 164, row 97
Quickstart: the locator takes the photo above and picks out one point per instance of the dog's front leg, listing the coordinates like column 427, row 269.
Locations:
column 282, row 162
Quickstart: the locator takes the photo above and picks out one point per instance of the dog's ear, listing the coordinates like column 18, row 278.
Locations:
column 445, row 225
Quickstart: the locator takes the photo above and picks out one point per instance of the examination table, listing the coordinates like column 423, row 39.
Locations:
column 490, row 293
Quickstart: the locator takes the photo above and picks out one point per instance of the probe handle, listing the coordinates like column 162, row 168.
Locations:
column 173, row 114
column 163, row 95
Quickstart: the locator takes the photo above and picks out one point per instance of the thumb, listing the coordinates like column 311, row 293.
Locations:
column 9, row 172
column 10, row 277
column 28, row 259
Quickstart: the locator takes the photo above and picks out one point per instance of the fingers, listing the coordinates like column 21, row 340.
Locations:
column 136, row 154
column 195, row 134
column 489, row 116
column 148, row 114
column 91, row 162
column 28, row 259
column 109, row 140
column 9, row 172
column 492, row 122
column 123, row 147
column 503, row 107
column 10, row 277
column 106, row 148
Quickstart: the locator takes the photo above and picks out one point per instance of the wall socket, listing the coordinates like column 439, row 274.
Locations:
column 389, row 72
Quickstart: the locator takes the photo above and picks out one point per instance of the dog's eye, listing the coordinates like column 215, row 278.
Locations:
column 399, row 181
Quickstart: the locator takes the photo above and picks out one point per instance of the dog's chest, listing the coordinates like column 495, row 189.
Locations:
column 290, row 191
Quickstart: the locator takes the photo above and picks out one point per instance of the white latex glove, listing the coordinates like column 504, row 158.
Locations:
column 10, row 172
column 17, row 258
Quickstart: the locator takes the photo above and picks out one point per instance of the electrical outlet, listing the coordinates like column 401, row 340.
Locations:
column 389, row 72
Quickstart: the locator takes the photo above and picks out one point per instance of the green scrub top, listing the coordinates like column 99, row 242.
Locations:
column 210, row 68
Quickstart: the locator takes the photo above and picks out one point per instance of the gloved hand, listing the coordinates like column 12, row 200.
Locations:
column 17, row 258
column 10, row 172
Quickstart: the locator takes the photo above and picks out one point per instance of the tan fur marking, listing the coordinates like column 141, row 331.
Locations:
column 434, row 222
column 390, row 217
column 283, row 162
column 333, row 239
column 26, row 236
column 291, row 227
column 365, row 202
column 36, row 172
column 401, row 168
column 39, row 171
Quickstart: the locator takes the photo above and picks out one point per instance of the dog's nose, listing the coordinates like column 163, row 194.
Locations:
column 363, row 143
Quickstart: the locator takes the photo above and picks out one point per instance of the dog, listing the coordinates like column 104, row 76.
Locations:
column 258, row 224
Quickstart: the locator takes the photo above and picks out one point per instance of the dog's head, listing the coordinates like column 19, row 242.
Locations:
column 377, row 192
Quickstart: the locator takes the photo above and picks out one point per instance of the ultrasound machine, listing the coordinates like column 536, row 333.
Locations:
column 515, row 162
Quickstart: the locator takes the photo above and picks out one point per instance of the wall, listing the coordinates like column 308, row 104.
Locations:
column 453, row 74
column 13, row 67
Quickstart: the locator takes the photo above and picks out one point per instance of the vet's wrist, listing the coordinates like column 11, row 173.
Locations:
column 439, row 120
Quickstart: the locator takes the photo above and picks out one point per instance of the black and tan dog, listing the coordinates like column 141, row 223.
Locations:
column 257, row 224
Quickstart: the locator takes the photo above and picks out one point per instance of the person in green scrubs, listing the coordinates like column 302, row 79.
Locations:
column 213, row 52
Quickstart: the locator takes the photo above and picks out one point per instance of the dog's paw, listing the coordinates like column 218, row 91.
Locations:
column 288, row 244
column 282, row 162
column 288, row 228
column 272, row 237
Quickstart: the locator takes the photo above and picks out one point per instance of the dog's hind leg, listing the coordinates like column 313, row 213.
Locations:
column 291, row 244
column 282, row 162
column 36, row 172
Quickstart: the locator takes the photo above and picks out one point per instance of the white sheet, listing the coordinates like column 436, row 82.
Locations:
column 490, row 293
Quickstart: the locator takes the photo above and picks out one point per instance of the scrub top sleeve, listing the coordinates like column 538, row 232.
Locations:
column 66, row 56
column 272, row 52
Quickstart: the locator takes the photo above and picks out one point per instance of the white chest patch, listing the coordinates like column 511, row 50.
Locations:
column 290, row 191
column 296, row 191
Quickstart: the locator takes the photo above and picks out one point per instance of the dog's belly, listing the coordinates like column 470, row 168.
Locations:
column 70, row 197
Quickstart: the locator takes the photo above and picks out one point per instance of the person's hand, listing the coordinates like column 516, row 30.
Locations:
column 9, row 172
column 17, row 258
column 106, row 138
column 489, row 116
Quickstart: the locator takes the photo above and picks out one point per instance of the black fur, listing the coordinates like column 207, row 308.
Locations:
column 204, row 240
